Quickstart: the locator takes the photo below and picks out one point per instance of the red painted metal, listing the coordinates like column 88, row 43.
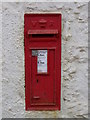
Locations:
column 42, row 90
column 43, row 32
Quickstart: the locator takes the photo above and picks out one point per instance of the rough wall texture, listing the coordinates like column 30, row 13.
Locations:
column 74, row 59
column 0, row 60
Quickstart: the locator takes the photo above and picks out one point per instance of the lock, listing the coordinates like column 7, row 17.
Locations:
column 42, row 61
column 37, row 80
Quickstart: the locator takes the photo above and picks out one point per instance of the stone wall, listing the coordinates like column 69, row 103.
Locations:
column 0, row 60
column 74, row 59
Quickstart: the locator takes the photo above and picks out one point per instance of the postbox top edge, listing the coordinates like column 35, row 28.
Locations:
column 42, row 13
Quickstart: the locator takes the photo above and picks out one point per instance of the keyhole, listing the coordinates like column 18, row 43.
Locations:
column 37, row 80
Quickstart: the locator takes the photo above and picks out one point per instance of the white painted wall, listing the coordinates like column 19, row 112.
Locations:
column 0, row 60
column 74, row 59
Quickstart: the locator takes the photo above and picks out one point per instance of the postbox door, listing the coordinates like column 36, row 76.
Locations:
column 43, row 77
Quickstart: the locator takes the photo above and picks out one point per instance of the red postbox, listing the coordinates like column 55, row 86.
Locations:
column 42, row 35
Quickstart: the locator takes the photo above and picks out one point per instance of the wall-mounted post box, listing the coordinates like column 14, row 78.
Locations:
column 42, row 35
